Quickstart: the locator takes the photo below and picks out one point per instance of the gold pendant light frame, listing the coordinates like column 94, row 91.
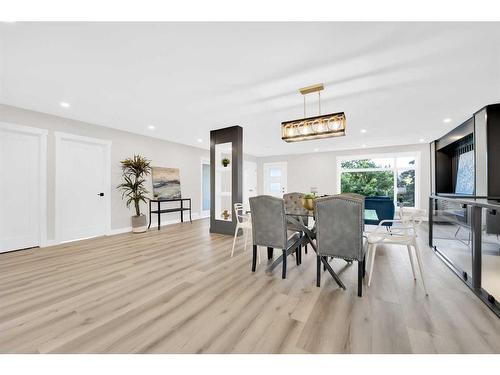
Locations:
column 317, row 127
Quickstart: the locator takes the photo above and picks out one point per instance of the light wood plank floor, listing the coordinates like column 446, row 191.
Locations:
column 178, row 291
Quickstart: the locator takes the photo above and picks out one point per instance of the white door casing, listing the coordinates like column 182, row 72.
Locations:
column 83, row 171
column 204, row 193
column 23, row 187
column 249, row 180
column 275, row 179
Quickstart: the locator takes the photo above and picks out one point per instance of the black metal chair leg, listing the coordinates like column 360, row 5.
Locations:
column 299, row 249
column 332, row 272
column 158, row 215
column 305, row 248
column 297, row 256
column 283, row 274
column 360, row 278
column 318, row 271
column 270, row 253
column 254, row 258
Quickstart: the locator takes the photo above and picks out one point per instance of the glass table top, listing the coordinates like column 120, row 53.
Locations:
column 369, row 214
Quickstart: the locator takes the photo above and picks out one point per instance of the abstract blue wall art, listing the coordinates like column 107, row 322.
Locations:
column 465, row 174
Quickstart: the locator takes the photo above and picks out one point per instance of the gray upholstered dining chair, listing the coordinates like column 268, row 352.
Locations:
column 269, row 229
column 339, row 231
column 293, row 205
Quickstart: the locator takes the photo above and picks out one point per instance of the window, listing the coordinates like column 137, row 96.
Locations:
column 275, row 172
column 394, row 176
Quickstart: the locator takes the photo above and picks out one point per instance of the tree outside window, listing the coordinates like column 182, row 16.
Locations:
column 391, row 177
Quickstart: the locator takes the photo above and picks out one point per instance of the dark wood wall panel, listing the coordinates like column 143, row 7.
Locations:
column 461, row 140
column 232, row 134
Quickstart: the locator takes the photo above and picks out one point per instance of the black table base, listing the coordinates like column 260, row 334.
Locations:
column 160, row 211
column 308, row 239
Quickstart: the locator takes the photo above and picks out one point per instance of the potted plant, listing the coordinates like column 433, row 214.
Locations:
column 225, row 162
column 134, row 171
column 307, row 201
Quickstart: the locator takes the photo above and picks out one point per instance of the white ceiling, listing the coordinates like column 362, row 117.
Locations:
column 396, row 80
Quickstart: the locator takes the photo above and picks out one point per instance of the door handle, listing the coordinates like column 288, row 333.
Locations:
column 100, row 194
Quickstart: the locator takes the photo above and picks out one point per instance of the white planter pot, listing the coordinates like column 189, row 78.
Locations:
column 139, row 224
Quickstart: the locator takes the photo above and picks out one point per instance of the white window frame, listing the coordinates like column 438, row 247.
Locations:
column 203, row 213
column 394, row 169
column 279, row 164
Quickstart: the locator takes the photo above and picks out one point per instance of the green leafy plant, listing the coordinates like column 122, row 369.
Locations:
column 309, row 196
column 377, row 183
column 225, row 162
column 134, row 171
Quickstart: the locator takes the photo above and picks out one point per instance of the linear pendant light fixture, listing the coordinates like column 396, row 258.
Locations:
column 317, row 127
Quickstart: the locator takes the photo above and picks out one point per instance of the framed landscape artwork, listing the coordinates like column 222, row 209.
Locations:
column 166, row 183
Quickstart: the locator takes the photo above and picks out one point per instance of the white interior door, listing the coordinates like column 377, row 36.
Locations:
column 249, row 180
column 275, row 179
column 20, row 185
column 82, row 191
column 205, row 188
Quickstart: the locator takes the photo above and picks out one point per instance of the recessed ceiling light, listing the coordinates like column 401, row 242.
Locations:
column 151, row 127
column 421, row 140
column 363, row 130
column 316, row 149
column 199, row 140
column 447, row 120
column 363, row 146
column 64, row 104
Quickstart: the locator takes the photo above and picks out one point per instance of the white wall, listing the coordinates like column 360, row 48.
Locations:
column 319, row 169
column 304, row 171
column 162, row 153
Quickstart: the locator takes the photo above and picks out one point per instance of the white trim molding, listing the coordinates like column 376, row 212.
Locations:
column 203, row 161
column 163, row 223
column 394, row 168
column 265, row 178
column 59, row 137
column 42, row 136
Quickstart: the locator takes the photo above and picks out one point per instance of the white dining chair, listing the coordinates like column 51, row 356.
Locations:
column 403, row 232
column 243, row 222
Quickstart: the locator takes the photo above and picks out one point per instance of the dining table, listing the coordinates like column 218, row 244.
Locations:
column 301, row 221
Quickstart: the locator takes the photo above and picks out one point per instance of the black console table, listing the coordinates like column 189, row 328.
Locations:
column 160, row 211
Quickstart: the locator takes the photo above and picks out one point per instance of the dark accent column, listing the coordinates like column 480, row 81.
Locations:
column 232, row 134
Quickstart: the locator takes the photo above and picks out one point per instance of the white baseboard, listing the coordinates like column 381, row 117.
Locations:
column 48, row 243
column 163, row 223
column 112, row 232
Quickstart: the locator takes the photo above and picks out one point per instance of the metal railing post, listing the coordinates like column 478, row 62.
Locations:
column 476, row 230
column 431, row 218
